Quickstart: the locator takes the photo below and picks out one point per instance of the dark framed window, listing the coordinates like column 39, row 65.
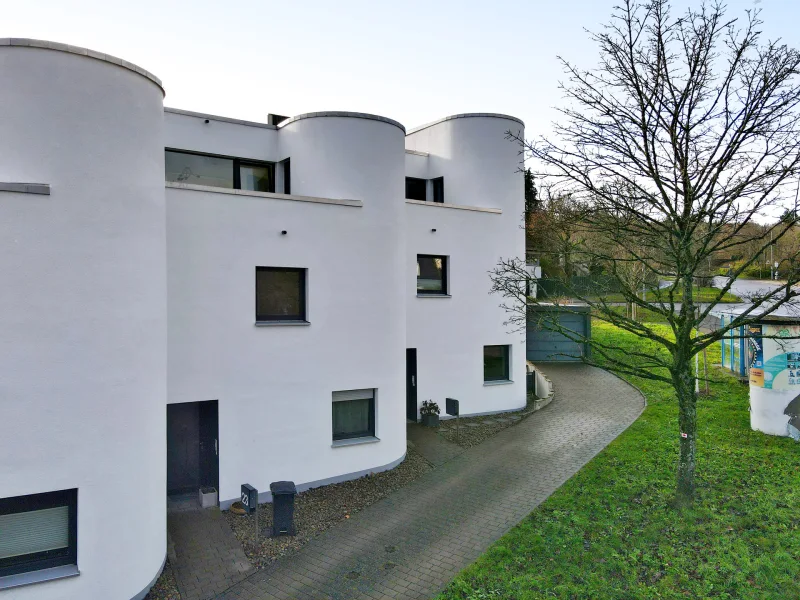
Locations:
column 353, row 414
column 287, row 176
column 182, row 166
column 438, row 189
column 38, row 531
column 280, row 294
column 416, row 189
column 431, row 274
column 496, row 363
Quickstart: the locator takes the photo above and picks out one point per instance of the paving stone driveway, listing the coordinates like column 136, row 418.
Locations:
column 412, row 543
column 209, row 557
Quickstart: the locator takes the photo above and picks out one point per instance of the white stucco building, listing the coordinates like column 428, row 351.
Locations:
column 191, row 300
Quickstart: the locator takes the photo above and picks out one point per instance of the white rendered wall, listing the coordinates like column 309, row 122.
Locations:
column 220, row 136
column 275, row 384
column 766, row 410
column 83, row 310
column 480, row 168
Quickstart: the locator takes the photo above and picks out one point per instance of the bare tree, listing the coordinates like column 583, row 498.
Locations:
column 683, row 136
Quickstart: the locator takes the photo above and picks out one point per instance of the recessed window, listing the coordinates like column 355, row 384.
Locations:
column 496, row 363
column 353, row 414
column 219, row 171
column 416, row 189
column 280, row 294
column 38, row 531
column 287, row 176
column 256, row 177
column 431, row 274
column 438, row 189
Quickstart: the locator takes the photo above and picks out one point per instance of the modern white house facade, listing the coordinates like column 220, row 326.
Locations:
column 193, row 301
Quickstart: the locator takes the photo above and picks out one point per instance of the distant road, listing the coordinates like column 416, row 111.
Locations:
column 747, row 288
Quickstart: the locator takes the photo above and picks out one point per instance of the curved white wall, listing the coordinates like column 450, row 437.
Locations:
column 83, row 310
column 274, row 384
column 480, row 169
column 767, row 410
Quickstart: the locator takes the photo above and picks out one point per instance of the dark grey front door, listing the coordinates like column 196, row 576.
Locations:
column 192, row 446
column 411, row 384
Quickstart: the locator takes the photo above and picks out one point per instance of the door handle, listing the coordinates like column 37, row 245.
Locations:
column 216, row 447
column 413, row 381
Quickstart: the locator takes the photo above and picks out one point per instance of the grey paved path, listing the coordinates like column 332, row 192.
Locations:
column 412, row 543
column 431, row 445
column 209, row 559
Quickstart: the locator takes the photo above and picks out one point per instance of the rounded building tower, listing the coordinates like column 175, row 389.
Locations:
column 83, row 316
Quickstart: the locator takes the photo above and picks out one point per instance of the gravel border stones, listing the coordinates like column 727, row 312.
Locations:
column 320, row 508
column 165, row 587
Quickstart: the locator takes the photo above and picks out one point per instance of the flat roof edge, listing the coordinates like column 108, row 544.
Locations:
column 199, row 115
column 344, row 114
column 467, row 116
column 70, row 49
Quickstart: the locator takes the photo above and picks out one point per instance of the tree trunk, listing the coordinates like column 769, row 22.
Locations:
column 687, row 424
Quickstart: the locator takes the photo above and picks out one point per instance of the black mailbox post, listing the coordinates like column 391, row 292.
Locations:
column 249, row 498
column 283, row 493
column 451, row 406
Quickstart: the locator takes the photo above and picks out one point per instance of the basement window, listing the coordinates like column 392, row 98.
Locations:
column 353, row 414
column 38, row 532
column 496, row 363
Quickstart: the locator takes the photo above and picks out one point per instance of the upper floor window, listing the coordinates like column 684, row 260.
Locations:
column 280, row 294
column 438, row 189
column 431, row 274
column 219, row 171
column 287, row 175
column 38, row 531
column 416, row 189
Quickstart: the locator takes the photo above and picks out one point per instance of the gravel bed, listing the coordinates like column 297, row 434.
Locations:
column 475, row 430
column 165, row 587
column 319, row 508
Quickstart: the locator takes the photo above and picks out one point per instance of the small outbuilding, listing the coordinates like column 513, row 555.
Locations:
column 768, row 354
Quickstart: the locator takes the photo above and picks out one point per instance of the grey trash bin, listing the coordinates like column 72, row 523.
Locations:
column 283, row 493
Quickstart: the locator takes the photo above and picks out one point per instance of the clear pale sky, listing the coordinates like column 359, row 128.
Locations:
column 414, row 61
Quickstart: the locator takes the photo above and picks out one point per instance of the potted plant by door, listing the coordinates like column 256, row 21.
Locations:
column 429, row 413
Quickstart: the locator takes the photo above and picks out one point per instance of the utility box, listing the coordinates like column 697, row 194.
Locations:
column 451, row 406
column 249, row 498
column 283, row 493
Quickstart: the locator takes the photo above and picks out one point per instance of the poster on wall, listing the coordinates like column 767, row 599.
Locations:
column 755, row 350
column 775, row 356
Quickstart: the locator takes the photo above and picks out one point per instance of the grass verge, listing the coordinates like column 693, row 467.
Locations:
column 700, row 294
column 610, row 532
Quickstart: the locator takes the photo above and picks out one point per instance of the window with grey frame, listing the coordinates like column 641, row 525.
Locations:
column 431, row 275
column 182, row 166
column 38, row 531
column 496, row 364
column 353, row 414
column 280, row 294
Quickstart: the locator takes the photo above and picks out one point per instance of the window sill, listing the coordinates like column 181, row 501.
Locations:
column 355, row 441
column 280, row 323
column 20, row 579
column 500, row 382
column 434, row 296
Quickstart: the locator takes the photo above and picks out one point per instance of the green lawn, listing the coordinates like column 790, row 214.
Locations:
column 610, row 531
column 700, row 294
